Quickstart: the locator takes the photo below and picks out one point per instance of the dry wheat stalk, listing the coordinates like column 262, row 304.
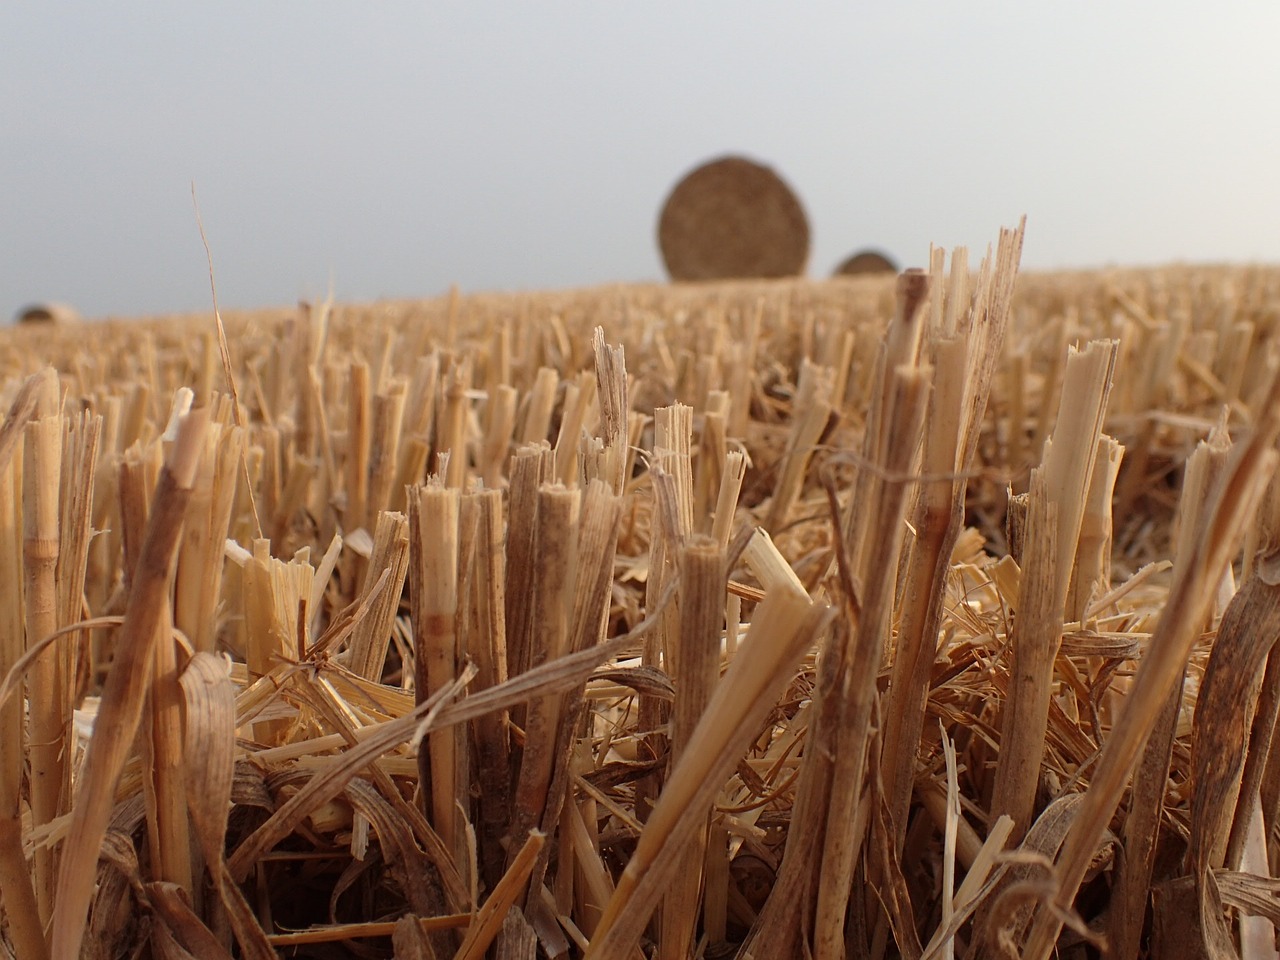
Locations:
column 123, row 695
column 48, row 687
column 15, row 873
column 328, row 795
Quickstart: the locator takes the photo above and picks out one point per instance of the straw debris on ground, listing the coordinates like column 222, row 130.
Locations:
column 926, row 616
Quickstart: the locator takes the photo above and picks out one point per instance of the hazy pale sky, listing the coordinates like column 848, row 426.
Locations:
column 397, row 148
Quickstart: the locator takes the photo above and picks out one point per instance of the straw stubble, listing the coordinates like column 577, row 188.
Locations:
column 124, row 694
column 47, row 690
column 869, row 778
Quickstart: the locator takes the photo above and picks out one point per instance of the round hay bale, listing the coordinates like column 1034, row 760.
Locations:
column 47, row 313
column 733, row 219
column 864, row 262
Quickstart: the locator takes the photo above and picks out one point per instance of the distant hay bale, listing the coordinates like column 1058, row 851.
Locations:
column 733, row 219
column 864, row 262
column 47, row 313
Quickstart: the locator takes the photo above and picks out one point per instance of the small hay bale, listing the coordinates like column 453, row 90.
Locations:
column 865, row 262
column 731, row 219
column 47, row 313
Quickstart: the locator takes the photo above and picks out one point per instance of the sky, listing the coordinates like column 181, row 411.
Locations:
column 393, row 149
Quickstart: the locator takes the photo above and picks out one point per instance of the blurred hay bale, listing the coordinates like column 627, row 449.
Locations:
column 732, row 218
column 50, row 312
column 864, row 262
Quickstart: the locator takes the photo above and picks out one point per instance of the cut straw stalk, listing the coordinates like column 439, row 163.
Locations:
column 713, row 446
column 357, row 448
column 169, row 830
column 1204, row 469
column 540, row 404
column 384, row 454
column 200, row 561
column 825, row 843
column 48, row 692
column 501, row 415
column 1059, row 489
column 861, row 648
column 483, row 626
column 434, row 713
column 1225, row 710
column 558, row 509
column 813, row 406
column 275, row 597
column 529, row 468
column 452, row 430
column 163, row 787
column 1191, row 597
column 611, row 391
column 81, row 442
column 731, row 475
column 434, row 594
column 671, row 475
column 1092, row 573
column 696, row 669
column 369, row 640
column 597, row 538
column 488, row 921
column 1258, row 779
column 784, row 627
column 579, row 397
column 939, row 514
column 651, row 711
column 966, row 339
column 15, row 874
column 122, row 700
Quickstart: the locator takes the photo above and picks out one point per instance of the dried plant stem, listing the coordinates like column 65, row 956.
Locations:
column 735, row 468
column 1190, row 598
column 124, row 694
column 1053, row 532
column 199, row 578
column 903, row 416
column 1037, row 633
column 611, row 389
column 784, row 627
column 540, row 404
column 384, row 454
column 695, row 671
column 1205, row 466
column 529, row 468
column 1259, row 764
column 813, row 404
column 485, row 629
column 578, row 398
column 420, row 409
column 1225, row 710
column 357, row 451
column 434, row 591
column 673, row 452
column 452, row 429
column 171, row 834
column 558, row 509
column 488, row 920
column 651, row 711
column 368, row 651
column 273, row 593
column 47, row 686
column 713, row 448
column 15, row 874
column 1092, row 572
column 939, row 514
column 597, row 538
column 75, row 525
column 497, row 438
